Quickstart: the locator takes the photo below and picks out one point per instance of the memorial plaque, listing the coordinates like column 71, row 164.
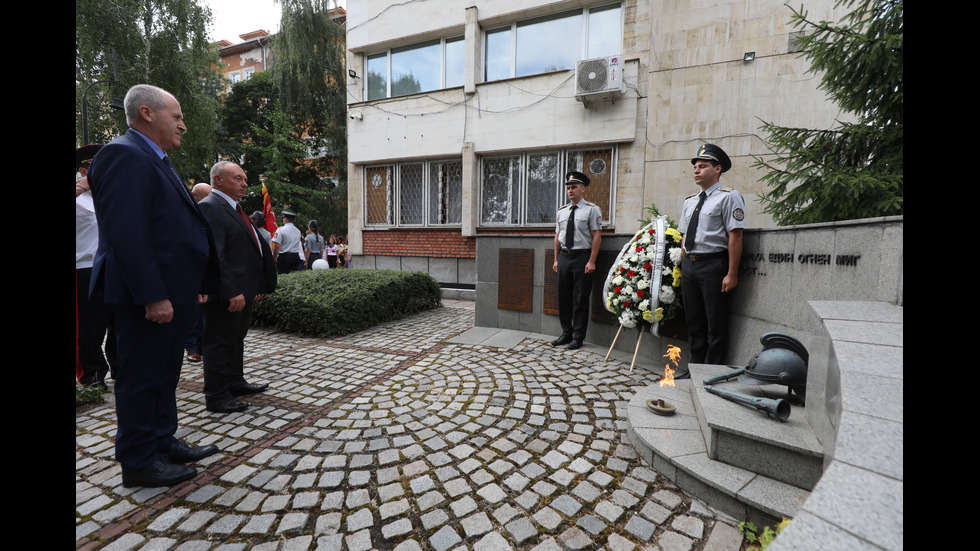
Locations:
column 515, row 276
column 550, row 298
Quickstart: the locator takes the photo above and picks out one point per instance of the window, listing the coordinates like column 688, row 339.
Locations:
column 235, row 76
column 427, row 193
column 247, row 73
column 528, row 189
column 418, row 68
column 552, row 43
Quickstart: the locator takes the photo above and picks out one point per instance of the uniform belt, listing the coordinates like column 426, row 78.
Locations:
column 576, row 252
column 705, row 256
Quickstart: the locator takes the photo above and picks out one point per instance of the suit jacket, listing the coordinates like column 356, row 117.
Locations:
column 154, row 243
column 243, row 270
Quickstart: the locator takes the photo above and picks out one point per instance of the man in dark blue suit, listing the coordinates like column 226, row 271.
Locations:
column 247, row 274
column 155, row 249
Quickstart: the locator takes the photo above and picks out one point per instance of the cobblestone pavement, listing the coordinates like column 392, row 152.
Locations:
column 397, row 438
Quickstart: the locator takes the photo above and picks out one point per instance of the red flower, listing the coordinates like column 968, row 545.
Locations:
column 622, row 270
column 650, row 231
column 648, row 266
column 639, row 249
column 639, row 293
column 631, row 273
column 626, row 305
column 617, row 290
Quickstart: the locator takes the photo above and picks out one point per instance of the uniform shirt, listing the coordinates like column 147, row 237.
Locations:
column 86, row 231
column 588, row 218
column 723, row 211
column 288, row 238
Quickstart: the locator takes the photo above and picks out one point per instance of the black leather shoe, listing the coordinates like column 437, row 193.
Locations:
column 182, row 453
column 248, row 388
column 574, row 345
column 229, row 406
column 564, row 339
column 157, row 475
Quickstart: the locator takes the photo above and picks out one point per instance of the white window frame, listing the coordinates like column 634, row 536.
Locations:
column 386, row 54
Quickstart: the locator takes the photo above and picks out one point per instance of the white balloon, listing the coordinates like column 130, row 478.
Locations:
column 320, row 264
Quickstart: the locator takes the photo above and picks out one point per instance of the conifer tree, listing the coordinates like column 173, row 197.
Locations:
column 855, row 169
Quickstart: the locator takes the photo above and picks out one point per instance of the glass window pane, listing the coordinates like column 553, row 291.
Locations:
column 377, row 79
column 377, row 195
column 543, row 188
column 605, row 31
column 499, row 54
column 549, row 44
column 501, row 189
column 416, row 69
column 446, row 192
column 597, row 165
column 455, row 62
column 410, row 193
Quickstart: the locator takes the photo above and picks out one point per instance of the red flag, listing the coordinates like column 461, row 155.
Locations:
column 270, row 217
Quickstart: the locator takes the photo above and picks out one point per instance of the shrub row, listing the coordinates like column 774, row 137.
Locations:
column 328, row 303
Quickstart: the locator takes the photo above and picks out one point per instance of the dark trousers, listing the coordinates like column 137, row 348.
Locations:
column 574, row 290
column 288, row 262
column 150, row 358
column 224, row 349
column 92, row 321
column 706, row 308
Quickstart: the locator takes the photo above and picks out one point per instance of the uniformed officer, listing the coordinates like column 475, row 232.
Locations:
column 712, row 221
column 286, row 244
column 577, row 240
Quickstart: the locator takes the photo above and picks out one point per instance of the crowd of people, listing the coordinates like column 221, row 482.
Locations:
column 165, row 273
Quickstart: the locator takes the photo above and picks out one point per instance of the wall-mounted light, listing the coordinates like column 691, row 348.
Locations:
column 355, row 115
column 749, row 56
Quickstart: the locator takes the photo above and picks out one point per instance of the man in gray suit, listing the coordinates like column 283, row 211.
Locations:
column 247, row 273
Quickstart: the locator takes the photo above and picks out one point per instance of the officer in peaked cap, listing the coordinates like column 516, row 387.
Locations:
column 577, row 240
column 287, row 244
column 712, row 221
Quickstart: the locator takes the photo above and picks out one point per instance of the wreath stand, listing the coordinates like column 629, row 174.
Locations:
column 636, row 350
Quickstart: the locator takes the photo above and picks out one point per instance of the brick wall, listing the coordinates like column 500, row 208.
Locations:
column 431, row 243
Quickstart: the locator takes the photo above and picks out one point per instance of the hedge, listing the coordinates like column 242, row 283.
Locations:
column 328, row 303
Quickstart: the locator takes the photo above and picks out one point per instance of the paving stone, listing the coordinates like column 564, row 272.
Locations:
column 291, row 522
column 521, row 529
column 492, row 493
column 397, row 528
column 640, row 528
column 444, row 539
column 591, row 524
column 360, row 519
column 477, row 524
column 691, row 526
column 434, row 518
column 328, row 523
column 619, row 543
column 394, row 508
column 547, row 517
column 226, row 524
column 566, row 505
column 575, row 538
column 463, row 506
column 492, row 542
column 359, row 541
column 672, row 541
column 259, row 524
column 655, row 512
column 668, row 499
column 609, row 511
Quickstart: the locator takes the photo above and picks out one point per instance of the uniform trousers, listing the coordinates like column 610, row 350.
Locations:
column 574, row 290
column 289, row 262
column 224, row 349
column 92, row 320
column 706, row 308
column 150, row 358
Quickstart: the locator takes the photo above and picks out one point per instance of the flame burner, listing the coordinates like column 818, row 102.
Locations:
column 660, row 407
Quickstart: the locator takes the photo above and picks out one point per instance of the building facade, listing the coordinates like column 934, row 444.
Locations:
column 462, row 122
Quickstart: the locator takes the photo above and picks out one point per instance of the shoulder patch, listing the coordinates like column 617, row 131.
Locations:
column 726, row 189
column 695, row 194
column 738, row 214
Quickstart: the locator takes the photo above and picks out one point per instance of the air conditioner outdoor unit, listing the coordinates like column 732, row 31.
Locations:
column 599, row 79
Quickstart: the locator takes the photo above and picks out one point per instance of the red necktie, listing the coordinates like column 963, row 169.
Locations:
column 248, row 224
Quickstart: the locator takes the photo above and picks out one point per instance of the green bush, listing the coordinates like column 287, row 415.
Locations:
column 328, row 303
